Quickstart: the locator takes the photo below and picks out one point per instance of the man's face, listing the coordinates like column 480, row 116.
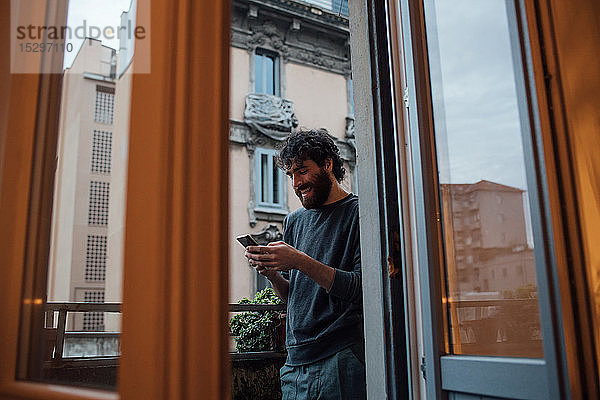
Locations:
column 312, row 184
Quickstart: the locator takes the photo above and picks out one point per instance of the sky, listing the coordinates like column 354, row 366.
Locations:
column 475, row 100
column 101, row 13
column 483, row 132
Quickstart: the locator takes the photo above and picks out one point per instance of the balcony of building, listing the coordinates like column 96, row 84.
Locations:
column 90, row 358
column 270, row 115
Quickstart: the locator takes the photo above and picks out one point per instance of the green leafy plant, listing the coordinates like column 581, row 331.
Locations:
column 255, row 331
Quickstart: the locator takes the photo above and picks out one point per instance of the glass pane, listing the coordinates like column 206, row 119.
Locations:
column 78, row 340
column 275, row 184
column 488, row 241
column 264, row 178
column 269, row 74
column 259, row 83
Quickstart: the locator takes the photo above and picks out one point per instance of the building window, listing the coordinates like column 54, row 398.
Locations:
column 339, row 7
column 98, row 206
column 93, row 321
column 266, row 72
column 101, row 152
column 105, row 104
column 270, row 180
column 95, row 258
column 326, row 4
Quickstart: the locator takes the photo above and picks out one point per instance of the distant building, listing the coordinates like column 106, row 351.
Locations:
column 486, row 238
column 83, row 182
column 86, row 249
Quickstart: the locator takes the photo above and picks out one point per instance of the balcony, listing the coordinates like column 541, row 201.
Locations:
column 83, row 357
column 270, row 115
column 88, row 358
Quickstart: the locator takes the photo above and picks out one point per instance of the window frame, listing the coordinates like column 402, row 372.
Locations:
column 389, row 310
column 421, row 256
column 185, row 161
column 495, row 376
column 262, row 52
column 282, row 182
column 104, row 105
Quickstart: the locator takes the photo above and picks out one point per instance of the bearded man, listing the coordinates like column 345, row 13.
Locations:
column 316, row 270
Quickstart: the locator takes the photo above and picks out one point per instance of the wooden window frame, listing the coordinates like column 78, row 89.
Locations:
column 174, row 339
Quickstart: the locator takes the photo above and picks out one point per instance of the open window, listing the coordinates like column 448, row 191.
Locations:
column 468, row 272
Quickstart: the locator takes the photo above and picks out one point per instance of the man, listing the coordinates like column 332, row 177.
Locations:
column 321, row 281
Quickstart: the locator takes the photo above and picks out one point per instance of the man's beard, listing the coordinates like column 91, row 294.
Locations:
column 321, row 187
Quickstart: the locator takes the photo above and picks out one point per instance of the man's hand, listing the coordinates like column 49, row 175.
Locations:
column 280, row 256
column 267, row 260
column 277, row 256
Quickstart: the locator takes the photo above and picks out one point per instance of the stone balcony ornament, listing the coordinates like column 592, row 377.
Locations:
column 270, row 233
column 349, row 127
column 270, row 115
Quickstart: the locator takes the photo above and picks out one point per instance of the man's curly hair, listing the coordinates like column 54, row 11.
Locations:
column 314, row 144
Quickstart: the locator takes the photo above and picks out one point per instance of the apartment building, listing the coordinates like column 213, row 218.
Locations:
column 88, row 218
column 290, row 68
column 78, row 257
column 486, row 230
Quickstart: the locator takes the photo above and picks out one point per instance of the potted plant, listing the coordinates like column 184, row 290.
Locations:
column 258, row 330
column 257, row 377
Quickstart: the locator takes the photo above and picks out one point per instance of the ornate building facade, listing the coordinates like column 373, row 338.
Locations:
column 290, row 68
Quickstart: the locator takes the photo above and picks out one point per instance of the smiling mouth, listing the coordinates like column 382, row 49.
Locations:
column 305, row 190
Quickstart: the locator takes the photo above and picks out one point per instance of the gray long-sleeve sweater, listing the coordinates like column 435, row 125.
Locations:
column 321, row 323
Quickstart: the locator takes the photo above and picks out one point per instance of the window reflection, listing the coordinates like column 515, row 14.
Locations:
column 488, row 244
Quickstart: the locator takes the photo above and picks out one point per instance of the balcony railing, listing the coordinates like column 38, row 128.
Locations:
column 80, row 357
column 271, row 115
column 57, row 334
column 502, row 326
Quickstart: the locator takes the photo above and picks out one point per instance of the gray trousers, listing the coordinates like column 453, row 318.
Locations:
column 338, row 377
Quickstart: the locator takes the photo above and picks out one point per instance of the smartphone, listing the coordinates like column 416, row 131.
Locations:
column 247, row 240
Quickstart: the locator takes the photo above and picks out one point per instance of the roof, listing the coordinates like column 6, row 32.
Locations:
column 482, row 185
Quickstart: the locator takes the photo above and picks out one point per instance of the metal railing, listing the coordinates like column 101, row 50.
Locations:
column 505, row 326
column 55, row 337
column 56, row 331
